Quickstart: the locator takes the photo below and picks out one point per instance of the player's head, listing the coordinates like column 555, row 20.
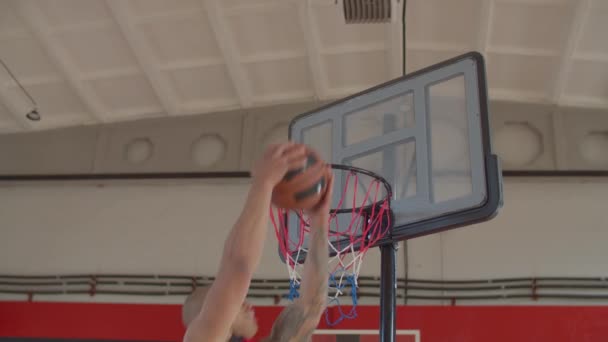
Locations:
column 245, row 324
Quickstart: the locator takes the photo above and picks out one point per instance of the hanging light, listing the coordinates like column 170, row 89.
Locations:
column 33, row 114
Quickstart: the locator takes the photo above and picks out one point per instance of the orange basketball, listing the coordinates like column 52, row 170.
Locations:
column 303, row 185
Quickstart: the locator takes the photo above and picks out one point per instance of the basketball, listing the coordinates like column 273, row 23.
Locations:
column 303, row 185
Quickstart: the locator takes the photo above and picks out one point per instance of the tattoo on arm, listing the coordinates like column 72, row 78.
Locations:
column 297, row 322
column 294, row 324
column 314, row 283
column 314, row 276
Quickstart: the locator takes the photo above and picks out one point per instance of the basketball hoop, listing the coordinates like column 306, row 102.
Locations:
column 360, row 220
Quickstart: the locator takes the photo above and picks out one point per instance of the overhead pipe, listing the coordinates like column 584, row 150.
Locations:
column 244, row 175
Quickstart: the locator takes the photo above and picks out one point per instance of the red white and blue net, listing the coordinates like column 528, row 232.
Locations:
column 359, row 221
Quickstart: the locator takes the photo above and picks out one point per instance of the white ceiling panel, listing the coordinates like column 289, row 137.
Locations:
column 255, row 32
column 440, row 21
column 193, row 84
column 522, row 73
column 593, row 39
column 127, row 94
column 7, row 123
column 356, row 70
column 27, row 59
column 110, row 50
column 520, row 25
column 530, row 45
column 115, row 60
column 186, row 36
column 73, row 12
column 253, row 4
column 418, row 59
column 9, row 21
column 56, row 99
column 280, row 79
column 159, row 7
column 588, row 79
column 36, row 21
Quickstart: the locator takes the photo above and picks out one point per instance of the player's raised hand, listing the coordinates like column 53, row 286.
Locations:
column 270, row 169
column 320, row 213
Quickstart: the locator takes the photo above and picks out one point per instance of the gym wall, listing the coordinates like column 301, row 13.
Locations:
column 551, row 227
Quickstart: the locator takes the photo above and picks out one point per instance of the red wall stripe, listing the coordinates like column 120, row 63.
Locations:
column 436, row 323
column 90, row 321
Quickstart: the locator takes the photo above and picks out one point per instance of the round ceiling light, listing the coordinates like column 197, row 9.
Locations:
column 139, row 150
column 518, row 144
column 33, row 115
column 277, row 134
column 208, row 150
column 594, row 148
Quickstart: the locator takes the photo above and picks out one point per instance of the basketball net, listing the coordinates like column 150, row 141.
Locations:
column 353, row 229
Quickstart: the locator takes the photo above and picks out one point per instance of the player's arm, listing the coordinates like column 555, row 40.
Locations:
column 242, row 249
column 298, row 321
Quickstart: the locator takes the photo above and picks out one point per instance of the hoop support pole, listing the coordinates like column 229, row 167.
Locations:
column 388, row 286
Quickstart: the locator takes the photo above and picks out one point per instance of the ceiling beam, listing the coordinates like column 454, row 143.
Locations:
column 139, row 112
column 395, row 40
column 570, row 44
column 313, row 49
column 436, row 47
column 170, row 14
column 83, row 26
column 540, row 3
column 41, row 79
column 485, row 27
column 355, row 48
column 230, row 53
column 584, row 102
column 191, row 64
column 502, row 94
column 258, row 5
column 111, row 73
column 522, row 51
column 208, row 106
column 287, row 97
column 11, row 34
column 591, row 57
column 272, row 57
column 144, row 55
column 37, row 24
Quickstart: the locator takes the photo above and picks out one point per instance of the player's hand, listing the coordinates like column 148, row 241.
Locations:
column 319, row 215
column 272, row 167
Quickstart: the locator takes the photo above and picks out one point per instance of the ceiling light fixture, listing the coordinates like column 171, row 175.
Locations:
column 33, row 114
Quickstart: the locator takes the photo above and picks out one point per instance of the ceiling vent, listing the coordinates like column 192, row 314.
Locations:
column 367, row 11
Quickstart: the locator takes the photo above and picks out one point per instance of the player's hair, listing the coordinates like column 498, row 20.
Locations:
column 193, row 304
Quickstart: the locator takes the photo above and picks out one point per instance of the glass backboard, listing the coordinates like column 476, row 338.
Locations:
column 427, row 133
